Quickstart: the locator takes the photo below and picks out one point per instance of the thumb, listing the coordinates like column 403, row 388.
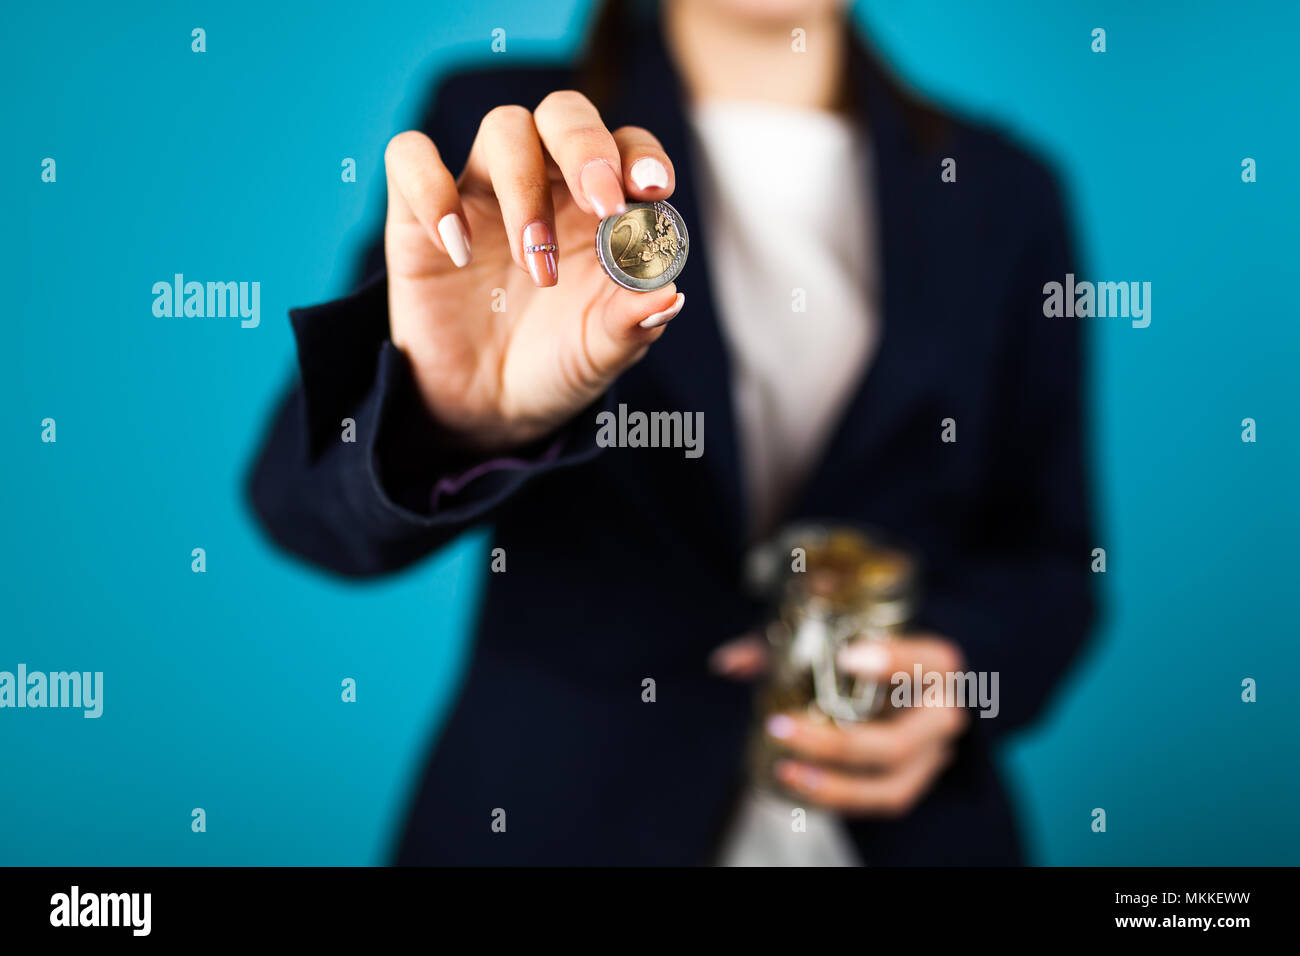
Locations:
column 883, row 659
column 628, row 322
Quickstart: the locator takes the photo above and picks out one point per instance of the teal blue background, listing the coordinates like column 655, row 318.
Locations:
column 222, row 690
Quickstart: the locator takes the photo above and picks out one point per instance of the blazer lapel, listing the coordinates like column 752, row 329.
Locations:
column 690, row 359
column 905, row 196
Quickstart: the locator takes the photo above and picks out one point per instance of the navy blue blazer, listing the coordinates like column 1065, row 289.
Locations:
column 626, row 563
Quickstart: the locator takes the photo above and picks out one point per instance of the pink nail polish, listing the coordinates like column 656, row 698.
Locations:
column 539, row 253
column 603, row 188
column 809, row 778
column 780, row 726
column 787, row 771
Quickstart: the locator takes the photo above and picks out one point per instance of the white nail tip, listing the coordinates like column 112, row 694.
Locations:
column 866, row 657
column 662, row 318
column 647, row 173
column 454, row 238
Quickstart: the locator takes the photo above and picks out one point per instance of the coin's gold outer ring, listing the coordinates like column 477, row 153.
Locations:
column 606, row 256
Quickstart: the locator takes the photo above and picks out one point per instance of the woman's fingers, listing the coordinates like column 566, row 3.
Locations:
column 512, row 157
column 883, row 659
column 507, row 158
column 742, row 658
column 421, row 190
column 647, row 170
column 601, row 168
column 573, row 133
column 874, row 744
column 626, row 324
column 879, row 767
column 886, row 795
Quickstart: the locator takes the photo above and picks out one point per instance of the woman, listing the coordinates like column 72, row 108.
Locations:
column 860, row 324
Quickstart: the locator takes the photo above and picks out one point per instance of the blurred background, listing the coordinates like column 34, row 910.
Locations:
column 222, row 689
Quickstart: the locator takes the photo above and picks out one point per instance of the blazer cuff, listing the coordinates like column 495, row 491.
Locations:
column 414, row 477
column 338, row 345
column 409, row 476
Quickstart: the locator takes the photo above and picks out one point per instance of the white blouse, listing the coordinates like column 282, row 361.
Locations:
column 788, row 214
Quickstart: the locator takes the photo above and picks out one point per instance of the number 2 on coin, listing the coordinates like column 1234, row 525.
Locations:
column 622, row 258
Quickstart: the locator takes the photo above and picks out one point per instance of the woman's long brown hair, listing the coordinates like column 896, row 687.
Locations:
column 614, row 21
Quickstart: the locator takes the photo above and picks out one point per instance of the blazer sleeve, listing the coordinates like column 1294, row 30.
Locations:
column 354, row 475
column 384, row 491
column 1019, row 601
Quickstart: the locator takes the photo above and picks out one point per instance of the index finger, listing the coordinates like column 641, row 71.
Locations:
column 573, row 133
column 647, row 170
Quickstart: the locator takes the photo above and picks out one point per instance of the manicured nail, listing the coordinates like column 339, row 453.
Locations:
column 649, row 173
column 667, row 315
column 780, row 726
column 867, row 657
column 722, row 661
column 809, row 778
column 741, row 657
column 798, row 775
column 454, row 237
column 539, row 253
column 602, row 188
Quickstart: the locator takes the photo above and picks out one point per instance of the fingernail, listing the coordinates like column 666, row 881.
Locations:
column 667, row 315
column 780, row 727
column 868, row 657
column 722, row 661
column 539, row 253
column 602, row 188
column 799, row 775
column 808, row 778
column 454, row 238
column 649, row 173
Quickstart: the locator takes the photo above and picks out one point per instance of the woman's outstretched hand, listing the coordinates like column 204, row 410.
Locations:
column 508, row 339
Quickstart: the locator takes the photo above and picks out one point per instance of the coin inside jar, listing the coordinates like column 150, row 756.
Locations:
column 644, row 248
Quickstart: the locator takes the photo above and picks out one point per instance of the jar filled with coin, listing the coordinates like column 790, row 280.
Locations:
column 831, row 586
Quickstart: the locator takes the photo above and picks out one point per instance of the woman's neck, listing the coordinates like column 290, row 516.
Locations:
column 720, row 57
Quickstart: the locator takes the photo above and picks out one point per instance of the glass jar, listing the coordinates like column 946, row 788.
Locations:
column 831, row 586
